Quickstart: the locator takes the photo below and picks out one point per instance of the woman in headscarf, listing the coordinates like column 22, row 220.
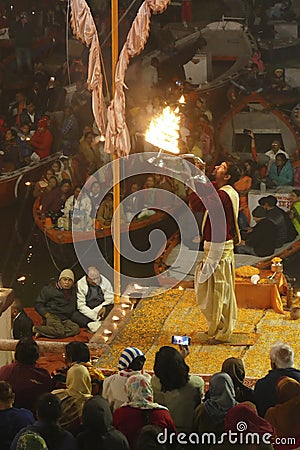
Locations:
column 236, row 370
column 98, row 432
column 209, row 417
column 246, row 412
column 31, row 441
column 78, row 391
column 174, row 388
column 140, row 410
column 285, row 416
column 131, row 362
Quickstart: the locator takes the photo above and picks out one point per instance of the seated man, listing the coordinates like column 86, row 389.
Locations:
column 259, row 240
column 95, row 299
column 282, row 361
column 56, row 304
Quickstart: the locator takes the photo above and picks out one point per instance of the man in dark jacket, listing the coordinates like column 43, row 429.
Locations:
column 282, row 361
column 56, row 304
column 23, row 34
column 260, row 240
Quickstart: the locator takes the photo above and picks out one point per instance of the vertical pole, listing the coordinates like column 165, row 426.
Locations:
column 116, row 161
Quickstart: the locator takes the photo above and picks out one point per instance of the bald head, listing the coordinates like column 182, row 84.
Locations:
column 93, row 276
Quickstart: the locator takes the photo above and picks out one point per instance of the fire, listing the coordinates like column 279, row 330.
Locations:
column 163, row 131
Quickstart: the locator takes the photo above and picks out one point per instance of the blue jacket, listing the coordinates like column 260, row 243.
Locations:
column 286, row 176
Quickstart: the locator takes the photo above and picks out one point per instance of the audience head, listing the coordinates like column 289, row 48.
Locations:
column 49, row 408
column 77, row 352
column 7, row 396
column 281, row 356
column 65, row 186
column 259, row 213
column 268, row 202
column 234, row 367
column 147, row 438
column 96, row 415
column 27, row 351
column 287, row 388
column 29, row 440
column 93, row 276
column 246, row 412
column 226, row 173
column 131, row 358
column 52, row 182
column 95, row 188
column 275, row 146
column 295, row 195
column 66, row 279
column 170, row 368
column 280, row 159
column 42, row 124
column 139, row 390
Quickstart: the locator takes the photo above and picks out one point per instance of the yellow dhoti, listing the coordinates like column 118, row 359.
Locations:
column 214, row 287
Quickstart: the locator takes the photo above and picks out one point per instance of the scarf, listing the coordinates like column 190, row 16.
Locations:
column 222, row 397
column 140, row 393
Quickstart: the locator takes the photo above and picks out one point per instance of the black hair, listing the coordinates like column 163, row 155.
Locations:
column 49, row 408
column 270, row 200
column 65, row 181
column 27, row 351
column 297, row 192
column 137, row 363
column 281, row 156
column 77, row 352
column 234, row 171
column 170, row 368
column 6, row 392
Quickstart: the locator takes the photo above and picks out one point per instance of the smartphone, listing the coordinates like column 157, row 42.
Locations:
column 246, row 131
column 181, row 340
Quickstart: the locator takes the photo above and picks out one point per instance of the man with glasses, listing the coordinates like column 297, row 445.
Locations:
column 95, row 299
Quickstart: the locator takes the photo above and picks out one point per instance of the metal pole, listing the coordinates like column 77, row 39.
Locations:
column 116, row 161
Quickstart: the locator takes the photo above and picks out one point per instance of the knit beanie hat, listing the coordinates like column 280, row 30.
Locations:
column 127, row 356
column 67, row 273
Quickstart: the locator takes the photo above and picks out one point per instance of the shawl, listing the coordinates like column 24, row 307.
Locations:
column 222, row 397
column 246, row 412
column 140, row 393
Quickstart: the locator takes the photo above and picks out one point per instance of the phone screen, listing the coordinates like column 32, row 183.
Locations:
column 181, row 340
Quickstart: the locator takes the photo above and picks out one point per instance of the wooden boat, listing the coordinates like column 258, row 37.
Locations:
column 14, row 185
column 61, row 242
column 268, row 122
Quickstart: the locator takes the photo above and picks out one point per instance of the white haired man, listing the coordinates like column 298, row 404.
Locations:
column 282, row 361
column 95, row 299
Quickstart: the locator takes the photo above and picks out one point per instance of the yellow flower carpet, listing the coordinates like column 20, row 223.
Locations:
column 156, row 319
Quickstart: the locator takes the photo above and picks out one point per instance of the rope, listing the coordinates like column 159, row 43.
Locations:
column 120, row 20
column 104, row 74
column 50, row 253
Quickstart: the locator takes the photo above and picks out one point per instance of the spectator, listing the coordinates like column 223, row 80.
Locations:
column 275, row 149
column 174, row 388
column 30, row 441
column 281, row 172
column 95, row 197
column 28, row 381
column 131, row 362
column 69, row 131
column 246, row 413
column 55, row 96
column 11, row 151
column 22, row 324
column 236, row 370
column 42, row 139
column 78, row 391
column 98, row 432
column 140, row 410
column 261, row 239
column 49, row 411
column 56, row 304
column 209, row 417
column 41, row 185
column 285, row 416
column 79, row 203
column 243, row 186
column 95, row 299
column 282, row 361
column 24, row 141
column 54, row 203
column 295, row 209
column 79, row 353
column 29, row 116
column 12, row 420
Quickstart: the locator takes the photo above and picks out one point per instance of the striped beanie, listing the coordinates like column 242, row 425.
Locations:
column 127, row 356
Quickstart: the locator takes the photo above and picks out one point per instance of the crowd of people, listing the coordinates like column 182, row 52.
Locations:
column 78, row 408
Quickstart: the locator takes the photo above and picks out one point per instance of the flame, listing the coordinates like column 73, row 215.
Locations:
column 182, row 100
column 163, row 131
